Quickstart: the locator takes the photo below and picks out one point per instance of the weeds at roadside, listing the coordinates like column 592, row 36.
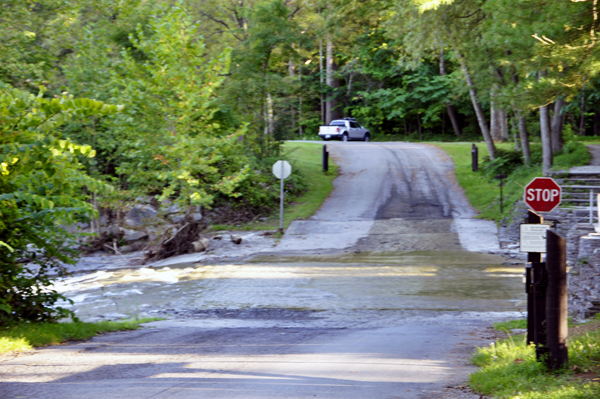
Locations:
column 27, row 336
column 509, row 368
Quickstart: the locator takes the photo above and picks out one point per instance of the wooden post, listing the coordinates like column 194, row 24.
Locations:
column 556, row 300
column 539, row 309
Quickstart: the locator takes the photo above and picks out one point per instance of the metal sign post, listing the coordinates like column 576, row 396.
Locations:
column 281, row 170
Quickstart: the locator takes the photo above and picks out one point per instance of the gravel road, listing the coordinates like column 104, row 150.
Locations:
column 383, row 293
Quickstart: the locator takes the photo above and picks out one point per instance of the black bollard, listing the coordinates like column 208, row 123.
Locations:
column 475, row 158
column 325, row 159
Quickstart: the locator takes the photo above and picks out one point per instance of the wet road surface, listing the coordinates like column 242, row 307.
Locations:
column 392, row 308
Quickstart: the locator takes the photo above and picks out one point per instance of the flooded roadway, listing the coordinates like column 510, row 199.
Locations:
column 373, row 297
column 426, row 280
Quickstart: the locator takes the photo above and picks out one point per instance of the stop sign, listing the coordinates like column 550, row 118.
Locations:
column 542, row 194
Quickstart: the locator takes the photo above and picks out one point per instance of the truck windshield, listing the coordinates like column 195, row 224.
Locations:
column 337, row 123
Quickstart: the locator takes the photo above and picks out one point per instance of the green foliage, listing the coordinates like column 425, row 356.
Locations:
column 31, row 36
column 168, row 142
column 42, row 190
column 574, row 153
column 506, row 162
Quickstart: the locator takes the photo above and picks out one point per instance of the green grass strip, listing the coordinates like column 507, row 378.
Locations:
column 509, row 369
column 28, row 336
column 483, row 191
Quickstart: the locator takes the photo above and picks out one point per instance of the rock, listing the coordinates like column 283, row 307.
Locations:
column 133, row 235
column 217, row 237
column 114, row 231
column 196, row 216
column 236, row 239
column 587, row 245
column 177, row 218
column 140, row 214
column 201, row 244
column 173, row 209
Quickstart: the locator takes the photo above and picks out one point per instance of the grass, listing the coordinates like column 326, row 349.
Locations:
column 507, row 326
column 509, row 369
column 25, row 337
column 483, row 192
column 306, row 158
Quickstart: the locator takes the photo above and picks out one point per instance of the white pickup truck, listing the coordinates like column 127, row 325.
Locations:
column 344, row 129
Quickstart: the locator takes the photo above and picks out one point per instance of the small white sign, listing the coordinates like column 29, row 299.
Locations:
column 282, row 169
column 533, row 237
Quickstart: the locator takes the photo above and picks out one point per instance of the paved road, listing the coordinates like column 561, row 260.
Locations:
column 373, row 297
column 393, row 196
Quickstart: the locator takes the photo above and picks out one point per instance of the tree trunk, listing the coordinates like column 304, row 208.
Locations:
column 323, row 116
column 557, row 125
column 453, row 119
column 504, row 125
column 485, row 131
column 449, row 107
column 546, row 140
column 292, row 72
column 270, row 115
column 582, row 117
column 515, row 129
column 331, row 107
column 596, row 123
column 524, row 136
column 495, row 122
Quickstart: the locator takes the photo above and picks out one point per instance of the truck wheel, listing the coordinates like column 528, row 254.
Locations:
column 367, row 137
column 345, row 137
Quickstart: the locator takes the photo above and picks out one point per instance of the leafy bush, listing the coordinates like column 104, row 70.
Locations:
column 42, row 189
column 505, row 163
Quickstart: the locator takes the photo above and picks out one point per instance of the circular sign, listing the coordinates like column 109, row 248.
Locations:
column 282, row 169
column 542, row 194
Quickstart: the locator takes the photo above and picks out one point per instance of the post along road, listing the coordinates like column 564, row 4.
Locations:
column 383, row 293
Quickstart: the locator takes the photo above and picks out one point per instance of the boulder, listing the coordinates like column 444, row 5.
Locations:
column 236, row 239
column 201, row 244
column 196, row 216
column 113, row 231
column 133, row 235
column 140, row 214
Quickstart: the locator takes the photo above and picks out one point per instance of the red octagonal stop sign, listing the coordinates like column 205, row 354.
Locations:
column 542, row 194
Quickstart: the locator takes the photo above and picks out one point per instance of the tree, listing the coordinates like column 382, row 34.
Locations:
column 43, row 190
column 32, row 39
column 435, row 26
column 168, row 143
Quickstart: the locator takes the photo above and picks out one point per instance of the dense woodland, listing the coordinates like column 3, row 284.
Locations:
column 106, row 101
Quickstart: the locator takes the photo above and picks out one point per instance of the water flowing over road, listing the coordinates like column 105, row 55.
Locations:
column 383, row 293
